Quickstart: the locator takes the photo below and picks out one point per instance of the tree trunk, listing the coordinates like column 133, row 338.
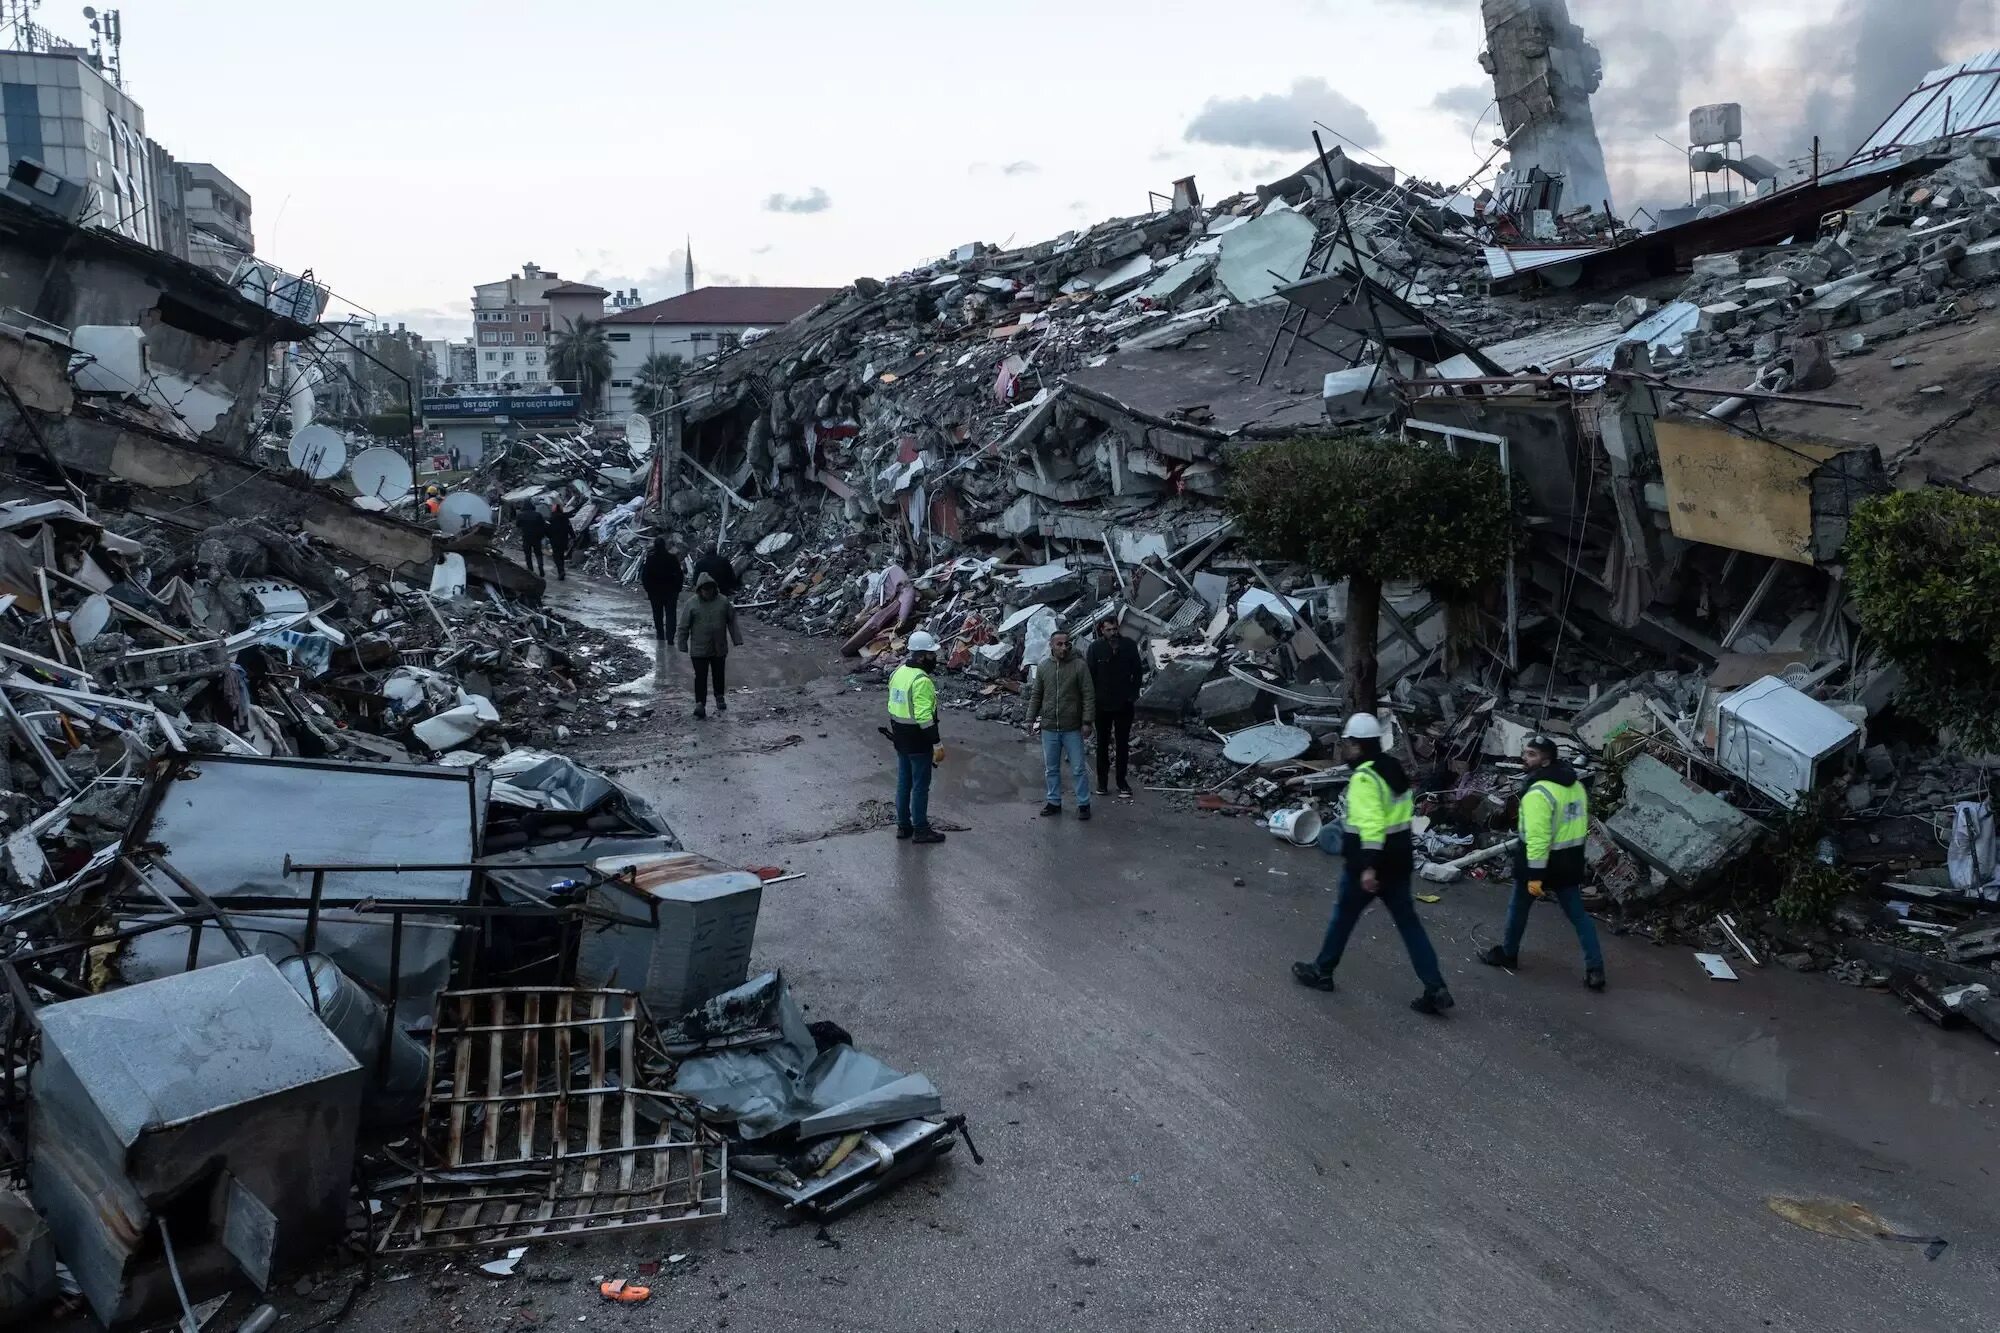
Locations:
column 1364, row 628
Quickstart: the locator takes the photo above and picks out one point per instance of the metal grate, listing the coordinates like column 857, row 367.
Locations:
column 542, row 1125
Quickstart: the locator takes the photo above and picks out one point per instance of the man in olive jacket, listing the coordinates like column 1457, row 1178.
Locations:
column 707, row 628
column 1061, row 703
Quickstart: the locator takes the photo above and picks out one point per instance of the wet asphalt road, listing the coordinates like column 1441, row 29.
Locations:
column 1177, row 1137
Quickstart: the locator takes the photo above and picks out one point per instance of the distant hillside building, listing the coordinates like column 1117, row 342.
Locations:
column 697, row 325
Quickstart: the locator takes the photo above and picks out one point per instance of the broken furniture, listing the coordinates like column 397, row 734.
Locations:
column 1780, row 740
column 188, row 1128
column 546, row 1120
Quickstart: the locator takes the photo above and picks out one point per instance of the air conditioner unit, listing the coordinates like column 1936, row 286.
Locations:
column 41, row 189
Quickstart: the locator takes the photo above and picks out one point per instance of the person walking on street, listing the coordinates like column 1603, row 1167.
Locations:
column 713, row 561
column 707, row 628
column 534, row 531
column 561, row 537
column 662, row 576
column 1116, row 674
column 913, row 727
column 1378, row 859
column 1061, row 703
column 1548, row 861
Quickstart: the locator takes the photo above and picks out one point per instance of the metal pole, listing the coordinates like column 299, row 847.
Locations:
column 311, row 940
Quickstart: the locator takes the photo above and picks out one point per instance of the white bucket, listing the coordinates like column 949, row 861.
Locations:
column 1296, row 826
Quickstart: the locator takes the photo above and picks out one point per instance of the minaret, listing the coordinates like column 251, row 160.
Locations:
column 689, row 247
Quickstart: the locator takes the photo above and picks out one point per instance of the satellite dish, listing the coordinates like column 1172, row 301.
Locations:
column 382, row 473
column 88, row 621
column 318, row 451
column 462, row 511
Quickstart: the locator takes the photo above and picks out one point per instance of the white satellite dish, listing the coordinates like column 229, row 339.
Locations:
column 639, row 434
column 382, row 473
column 318, row 451
column 462, row 510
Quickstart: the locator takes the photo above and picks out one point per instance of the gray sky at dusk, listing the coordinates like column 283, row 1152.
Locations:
column 405, row 151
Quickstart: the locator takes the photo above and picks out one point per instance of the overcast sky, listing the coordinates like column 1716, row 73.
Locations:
column 404, row 151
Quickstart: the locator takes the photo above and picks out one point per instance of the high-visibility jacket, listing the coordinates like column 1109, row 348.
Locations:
column 913, row 710
column 1376, row 833
column 1555, row 824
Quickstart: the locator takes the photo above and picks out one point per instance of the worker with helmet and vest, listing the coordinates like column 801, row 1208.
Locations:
column 913, row 727
column 1378, row 861
column 1548, row 861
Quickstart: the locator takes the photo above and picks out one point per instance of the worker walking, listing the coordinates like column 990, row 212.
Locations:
column 1061, row 703
column 662, row 577
column 913, row 727
column 1555, row 824
column 1378, row 861
column 707, row 628
column 561, row 537
column 534, row 532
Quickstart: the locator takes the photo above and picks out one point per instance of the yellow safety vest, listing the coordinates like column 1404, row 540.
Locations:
column 1555, row 820
column 912, row 697
column 1374, row 813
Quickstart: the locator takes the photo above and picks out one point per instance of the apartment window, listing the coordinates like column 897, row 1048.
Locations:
column 506, row 337
column 621, row 384
column 506, row 358
column 532, row 358
column 619, row 337
column 488, row 336
column 492, row 356
column 23, row 110
column 700, row 338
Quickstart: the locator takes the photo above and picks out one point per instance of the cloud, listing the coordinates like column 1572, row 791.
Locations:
column 1465, row 100
column 815, row 200
column 433, row 321
column 656, row 282
column 1281, row 120
column 1022, row 168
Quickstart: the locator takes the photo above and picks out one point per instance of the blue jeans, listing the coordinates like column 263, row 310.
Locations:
column 1571, row 900
column 1353, row 900
column 913, row 791
column 1056, row 745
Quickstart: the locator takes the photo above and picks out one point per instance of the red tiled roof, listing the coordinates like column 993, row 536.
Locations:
column 753, row 306
column 574, row 289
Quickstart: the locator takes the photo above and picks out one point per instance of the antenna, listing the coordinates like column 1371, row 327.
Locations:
column 17, row 17
column 107, row 36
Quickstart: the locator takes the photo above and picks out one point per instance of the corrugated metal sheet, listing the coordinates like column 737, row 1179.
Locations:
column 1509, row 261
column 1968, row 92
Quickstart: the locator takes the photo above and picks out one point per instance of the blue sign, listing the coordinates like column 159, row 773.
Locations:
column 505, row 405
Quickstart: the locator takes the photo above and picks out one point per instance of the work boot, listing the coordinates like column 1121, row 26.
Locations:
column 1594, row 978
column 1433, row 1002
column 721, row 706
column 699, row 711
column 1499, row 957
column 1051, row 809
column 1310, row 974
column 1124, row 792
column 903, row 831
column 929, row 835
column 1083, row 812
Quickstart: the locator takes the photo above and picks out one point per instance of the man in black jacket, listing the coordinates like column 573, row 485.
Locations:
column 534, row 531
column 1116, row 671
column 713, row 561
column 561, row 537
column 662, row 576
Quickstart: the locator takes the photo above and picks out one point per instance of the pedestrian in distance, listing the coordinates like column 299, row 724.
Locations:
column 561, row 537
column 913, row 727
column 1116, row 673
column 707, row 628
column 713, row 561
column 1548, row 861
column 534, row 534
column 1378, row 860
column 1061, row 702
column 662, row 577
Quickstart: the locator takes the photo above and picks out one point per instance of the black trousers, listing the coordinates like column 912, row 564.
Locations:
column 531, row 555
column 706, row 668
column 1115, row 724
column 664, row 617
column 560, row 550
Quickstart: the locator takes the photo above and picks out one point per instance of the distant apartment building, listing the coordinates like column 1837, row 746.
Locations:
column 515, row 319
column 694, row 326
column 218, row 217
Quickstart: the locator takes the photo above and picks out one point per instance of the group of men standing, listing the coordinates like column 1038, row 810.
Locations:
column 544, row 533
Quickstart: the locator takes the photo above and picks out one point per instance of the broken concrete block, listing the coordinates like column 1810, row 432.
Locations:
column 1719, row 266
column 1677, row 828
column 1172, row 691
column 1227, row 703
column 1260, row 631
column 1053, row 584
column 1719, row 317
column 1878, row 304
column 1812, row 364
column 1772, row 288
column 1631, row 309
column 1979, row 262
column 27, row 1261
column 990, row 661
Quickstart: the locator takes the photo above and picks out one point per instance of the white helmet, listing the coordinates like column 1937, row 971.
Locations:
column 923, row 642
column 1362, row 727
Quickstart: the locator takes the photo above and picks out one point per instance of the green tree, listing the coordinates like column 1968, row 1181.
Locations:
column 1922, row 567
column 658, row 380
column 582, row 353
column 1372, row 510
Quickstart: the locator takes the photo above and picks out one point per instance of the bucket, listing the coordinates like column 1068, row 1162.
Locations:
column 1299, row 827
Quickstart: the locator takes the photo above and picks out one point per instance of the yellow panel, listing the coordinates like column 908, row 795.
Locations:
column 1739, row 493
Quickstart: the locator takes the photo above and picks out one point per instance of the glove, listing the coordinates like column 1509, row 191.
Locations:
column 1535, row 888
column 937, row 753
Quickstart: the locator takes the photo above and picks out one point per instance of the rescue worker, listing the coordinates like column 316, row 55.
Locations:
column 433, row 498
column 913, row 726
column 1548, row 861
column 1378, row 861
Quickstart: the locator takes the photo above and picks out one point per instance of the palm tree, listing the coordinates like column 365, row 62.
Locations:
column 582, row 353
column 657, row 382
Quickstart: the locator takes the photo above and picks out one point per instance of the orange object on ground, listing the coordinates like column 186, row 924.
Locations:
column 625, row 1293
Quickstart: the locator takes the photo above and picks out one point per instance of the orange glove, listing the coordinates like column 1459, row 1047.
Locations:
column 1535, row 889
column 937, row 753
